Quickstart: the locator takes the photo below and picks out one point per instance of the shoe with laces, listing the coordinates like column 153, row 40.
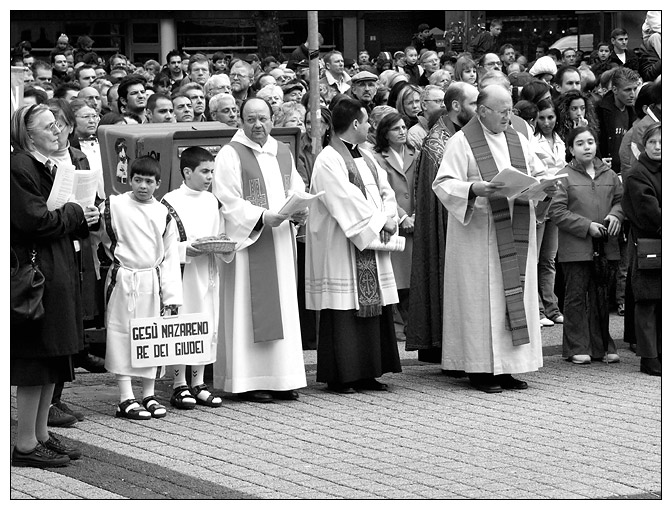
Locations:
column 39, row 457
column 59, row 418
column 57, row 446
column 64, row 407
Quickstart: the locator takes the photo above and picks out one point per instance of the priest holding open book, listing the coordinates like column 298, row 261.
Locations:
column 491, row 312
column 261, row 357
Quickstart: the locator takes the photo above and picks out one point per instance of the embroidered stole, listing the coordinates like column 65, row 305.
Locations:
column 512, row 233
column 264, row 290
column 368, row 286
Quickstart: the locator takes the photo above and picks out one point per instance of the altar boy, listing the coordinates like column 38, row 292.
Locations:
column 196, row 212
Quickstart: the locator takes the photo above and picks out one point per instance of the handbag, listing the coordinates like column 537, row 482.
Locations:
column 27, row 289
column 649, row 253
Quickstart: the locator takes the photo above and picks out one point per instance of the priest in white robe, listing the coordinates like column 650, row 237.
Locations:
column 352, row 284
column 261, row 357
column 483, row 332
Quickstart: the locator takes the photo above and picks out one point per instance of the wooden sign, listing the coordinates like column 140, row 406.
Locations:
column 175, row 340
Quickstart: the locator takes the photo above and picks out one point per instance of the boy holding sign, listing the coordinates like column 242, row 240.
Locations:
column 196, row 213
column 141, row 237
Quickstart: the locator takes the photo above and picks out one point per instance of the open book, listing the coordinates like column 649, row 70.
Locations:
column 71, row 185
column 523, row 186
column 297, row 201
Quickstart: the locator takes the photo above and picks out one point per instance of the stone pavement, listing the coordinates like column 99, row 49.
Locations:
column 578, row 432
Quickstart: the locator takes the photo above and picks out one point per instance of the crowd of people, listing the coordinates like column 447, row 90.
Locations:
column 411, row 223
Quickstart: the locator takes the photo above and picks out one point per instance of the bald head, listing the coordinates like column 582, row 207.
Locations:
column 91, row 97
column 494, row 108
column 494, row 78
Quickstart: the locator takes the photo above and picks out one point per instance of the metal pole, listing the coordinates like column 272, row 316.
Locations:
column 314, row 69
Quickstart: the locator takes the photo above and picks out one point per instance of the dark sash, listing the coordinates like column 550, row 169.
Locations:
column 368, row 287
column 178, row 221
column 264, row 291
column 512, row 233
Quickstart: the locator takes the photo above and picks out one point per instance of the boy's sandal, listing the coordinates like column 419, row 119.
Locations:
column 153, row 406
column 182, row 398
column 132, row 410
column 210, row 401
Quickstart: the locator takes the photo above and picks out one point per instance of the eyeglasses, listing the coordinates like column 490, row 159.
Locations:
column 503, row 113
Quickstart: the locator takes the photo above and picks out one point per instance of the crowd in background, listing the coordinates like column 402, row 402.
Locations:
column 595, row 116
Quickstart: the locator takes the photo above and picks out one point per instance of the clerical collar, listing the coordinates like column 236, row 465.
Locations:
column 352, row 149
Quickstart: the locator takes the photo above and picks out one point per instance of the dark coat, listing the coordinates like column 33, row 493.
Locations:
column 631, row 60
column 613, row 125
column 581, row 201
column 642, row 199
column 60, row 332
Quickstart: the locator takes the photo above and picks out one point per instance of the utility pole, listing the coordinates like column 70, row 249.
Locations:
column 314, row 77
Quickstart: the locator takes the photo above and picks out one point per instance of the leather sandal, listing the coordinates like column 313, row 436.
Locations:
column 211, row 401
column 126, row 410
column 182, row 398
column 152, row 405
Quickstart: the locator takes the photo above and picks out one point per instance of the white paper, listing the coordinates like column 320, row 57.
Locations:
column 61, row 191
column 297, row 201
column 523, row 186
column 85, row 187
column 71, row 185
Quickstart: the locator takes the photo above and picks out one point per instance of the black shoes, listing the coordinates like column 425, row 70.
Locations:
column 285, row 395
column 344, row 389
column 259, row 396
column 490, row 383
column 39, row 457
column 485, row 382
column 56, row 446
column 508, row 382
column 651, row 366
column 59, row 418
column 369, row 385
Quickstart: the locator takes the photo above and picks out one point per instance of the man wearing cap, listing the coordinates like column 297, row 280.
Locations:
column 293, row 91
column 364, row 88
column 335, row 76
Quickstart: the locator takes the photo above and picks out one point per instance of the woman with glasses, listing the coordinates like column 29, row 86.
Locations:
column 41, row 349
column 84, row 135
column 430, row 63
column 431, row 100
column 397, row 158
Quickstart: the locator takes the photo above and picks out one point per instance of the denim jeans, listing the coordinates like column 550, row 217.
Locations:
column 547, row 248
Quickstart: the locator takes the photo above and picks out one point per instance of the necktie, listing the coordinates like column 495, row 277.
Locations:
column 51, row 166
